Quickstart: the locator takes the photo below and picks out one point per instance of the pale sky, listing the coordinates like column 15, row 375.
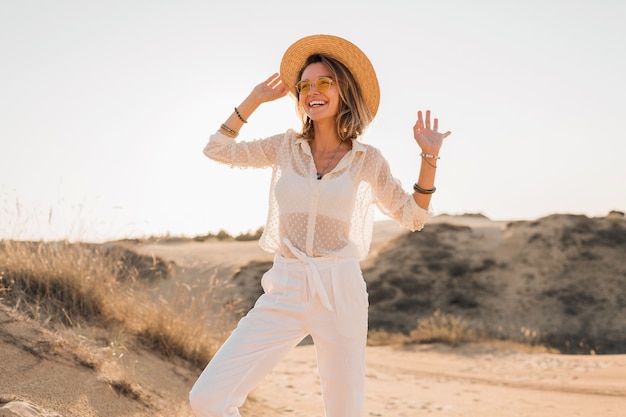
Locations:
column 105, row 107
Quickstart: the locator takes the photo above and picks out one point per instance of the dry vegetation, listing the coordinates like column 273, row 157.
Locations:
column 106, row 286
column 221, row 235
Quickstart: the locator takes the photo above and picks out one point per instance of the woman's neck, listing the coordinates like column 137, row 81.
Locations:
column 325, row 137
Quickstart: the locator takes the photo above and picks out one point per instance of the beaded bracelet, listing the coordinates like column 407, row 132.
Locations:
column 427, row 155
column 229, row 130
column 421, row 190
column 240, row 116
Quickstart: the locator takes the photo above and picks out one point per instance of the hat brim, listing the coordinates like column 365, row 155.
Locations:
column 337, row 48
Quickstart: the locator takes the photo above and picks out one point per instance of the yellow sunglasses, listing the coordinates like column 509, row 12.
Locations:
column 321, row 84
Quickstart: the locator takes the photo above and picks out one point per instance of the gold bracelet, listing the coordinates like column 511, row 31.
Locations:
column 229, row 130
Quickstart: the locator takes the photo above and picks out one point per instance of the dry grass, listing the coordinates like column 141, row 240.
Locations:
column 447, row 329
column 453, row 330
column 80, row 285
column 57, row 281
column 444, row 328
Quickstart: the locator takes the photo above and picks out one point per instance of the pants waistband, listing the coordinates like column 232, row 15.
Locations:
column 314, row 280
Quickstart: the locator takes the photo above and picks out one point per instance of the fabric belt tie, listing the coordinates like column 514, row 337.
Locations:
column 314, row 280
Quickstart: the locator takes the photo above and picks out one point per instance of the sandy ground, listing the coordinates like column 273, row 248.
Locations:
column 474, row 380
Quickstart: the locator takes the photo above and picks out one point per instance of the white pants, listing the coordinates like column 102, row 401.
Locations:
column 323, row 297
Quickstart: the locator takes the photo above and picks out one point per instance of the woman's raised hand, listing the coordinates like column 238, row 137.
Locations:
column 270, row 89
column 429, row 139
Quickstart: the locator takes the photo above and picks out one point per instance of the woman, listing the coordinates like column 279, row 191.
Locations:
column 319, row 225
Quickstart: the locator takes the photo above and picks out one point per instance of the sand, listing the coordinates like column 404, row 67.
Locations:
column 475, row 380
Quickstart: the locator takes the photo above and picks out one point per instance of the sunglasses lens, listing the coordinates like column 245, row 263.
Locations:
column 323, row 84
column 303, row 87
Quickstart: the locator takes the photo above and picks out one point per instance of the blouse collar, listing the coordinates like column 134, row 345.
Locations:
column 357, row 146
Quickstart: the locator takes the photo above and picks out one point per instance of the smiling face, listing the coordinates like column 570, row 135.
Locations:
column 341, row 105
column 319, row 105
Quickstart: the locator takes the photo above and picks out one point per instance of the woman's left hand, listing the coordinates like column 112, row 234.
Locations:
column 429, row 139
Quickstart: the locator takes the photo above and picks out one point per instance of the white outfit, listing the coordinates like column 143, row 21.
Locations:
column 319, row 230
column 328, row 217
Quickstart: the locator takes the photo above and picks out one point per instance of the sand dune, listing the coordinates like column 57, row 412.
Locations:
column 559, row 280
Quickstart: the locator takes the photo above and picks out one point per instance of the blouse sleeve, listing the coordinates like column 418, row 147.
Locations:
column 258, row 153
column 393, row 200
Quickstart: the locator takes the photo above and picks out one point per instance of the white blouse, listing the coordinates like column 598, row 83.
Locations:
column 328, row 217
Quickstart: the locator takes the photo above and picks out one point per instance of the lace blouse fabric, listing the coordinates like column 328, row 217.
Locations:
column 333, row 216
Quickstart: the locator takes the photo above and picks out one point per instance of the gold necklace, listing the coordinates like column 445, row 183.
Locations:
column 323, row 171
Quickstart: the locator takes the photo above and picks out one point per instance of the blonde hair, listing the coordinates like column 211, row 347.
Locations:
column 353, row 116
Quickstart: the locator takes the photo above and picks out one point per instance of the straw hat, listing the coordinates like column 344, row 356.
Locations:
column 343, row 51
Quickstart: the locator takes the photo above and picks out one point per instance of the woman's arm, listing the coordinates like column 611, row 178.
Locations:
column 429, row 141
column 269, row 90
